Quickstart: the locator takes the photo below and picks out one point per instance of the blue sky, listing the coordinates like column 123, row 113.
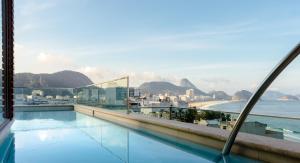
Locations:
column 221, row 45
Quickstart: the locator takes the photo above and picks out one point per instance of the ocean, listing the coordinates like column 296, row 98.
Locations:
column 271, row 108
column 281, row 116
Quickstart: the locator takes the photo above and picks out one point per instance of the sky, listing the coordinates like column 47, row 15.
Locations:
column 217, row 45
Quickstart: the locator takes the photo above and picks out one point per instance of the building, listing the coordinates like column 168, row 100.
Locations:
column 37, row 93
column 173, row 98
column 209, row 123
column 19, row 99
column 184, row 98
column 253, row 127
column 134, row 92
column 49, row 97
column 190, row 93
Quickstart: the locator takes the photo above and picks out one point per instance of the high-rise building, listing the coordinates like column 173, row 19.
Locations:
column 190, row 93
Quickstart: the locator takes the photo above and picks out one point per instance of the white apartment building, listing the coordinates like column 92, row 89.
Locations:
column 190, row 93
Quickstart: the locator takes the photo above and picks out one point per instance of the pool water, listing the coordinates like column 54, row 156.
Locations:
column 67, row 136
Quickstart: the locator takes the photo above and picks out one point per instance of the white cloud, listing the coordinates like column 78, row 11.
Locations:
column 56, row 59
column 26, row 27
column 211, row 32
column 137, row 78
column 32, row 59
column 198, row 39
column 96, row 74
column 99, row 74
column 31, row 7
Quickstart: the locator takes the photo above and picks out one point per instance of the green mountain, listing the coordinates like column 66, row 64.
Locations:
column 161, row 87
column 61, row 79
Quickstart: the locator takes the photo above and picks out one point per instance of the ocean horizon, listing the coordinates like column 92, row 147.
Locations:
column 283, row 116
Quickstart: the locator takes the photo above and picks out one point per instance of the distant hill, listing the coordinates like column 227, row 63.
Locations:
column 161, row 87
column 272, row 95
column 289, row 98
column 186, row 83
column 242, row 95
column 220, row 95
column 62, row 79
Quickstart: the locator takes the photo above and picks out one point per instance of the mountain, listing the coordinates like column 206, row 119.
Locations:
column 186, row 83
column 62, row 79
column 220, row 95
column 242, row 95
column 272, row 95
column 161, row 87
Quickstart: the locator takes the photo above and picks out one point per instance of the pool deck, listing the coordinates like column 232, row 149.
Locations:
column 253, row 146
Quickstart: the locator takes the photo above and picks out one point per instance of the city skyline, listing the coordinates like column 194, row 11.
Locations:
column 229, row 46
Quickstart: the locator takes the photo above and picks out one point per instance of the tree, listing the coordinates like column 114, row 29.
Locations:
column 190, row 115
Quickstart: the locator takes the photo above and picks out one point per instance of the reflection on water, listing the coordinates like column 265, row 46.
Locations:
column 111, row 137
column 80, row 138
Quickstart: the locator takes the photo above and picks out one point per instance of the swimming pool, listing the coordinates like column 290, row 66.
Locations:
column 67, row 136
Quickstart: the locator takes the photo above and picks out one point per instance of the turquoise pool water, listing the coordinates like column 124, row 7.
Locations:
column 66, row 136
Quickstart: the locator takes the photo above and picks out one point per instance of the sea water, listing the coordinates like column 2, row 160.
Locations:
column 282, row 116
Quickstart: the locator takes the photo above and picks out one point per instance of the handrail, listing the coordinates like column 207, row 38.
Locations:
column 256, row 96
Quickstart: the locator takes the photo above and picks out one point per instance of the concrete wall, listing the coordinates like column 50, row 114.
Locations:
column 253, row 146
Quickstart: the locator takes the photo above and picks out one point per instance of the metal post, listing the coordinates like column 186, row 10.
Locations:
column 7, row 58
column 170, row 112
column 256, row 96
column 128, row 111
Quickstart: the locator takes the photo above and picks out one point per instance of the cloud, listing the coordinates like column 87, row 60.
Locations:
column 28, row 59
column 99, row 74
column 211, row 32
column 138, row 78
column 96, row 74
column 32, row 7
column 26, row 27
column 194, row 39
column 145, row 45
column 54, row 59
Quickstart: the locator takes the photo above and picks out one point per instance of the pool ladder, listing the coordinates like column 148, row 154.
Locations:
column 256, row 96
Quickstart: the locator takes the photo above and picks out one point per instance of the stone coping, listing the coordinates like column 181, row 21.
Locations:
column 282, row 148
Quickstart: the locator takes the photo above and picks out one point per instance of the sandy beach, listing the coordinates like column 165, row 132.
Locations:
column 207, row 104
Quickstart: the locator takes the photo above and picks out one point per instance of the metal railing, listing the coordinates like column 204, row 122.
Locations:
column 256, row 96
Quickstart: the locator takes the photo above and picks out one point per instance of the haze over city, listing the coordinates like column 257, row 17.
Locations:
column 217, row 46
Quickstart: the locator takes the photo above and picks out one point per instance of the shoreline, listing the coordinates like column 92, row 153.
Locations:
column 252, row 114
column 206, row 104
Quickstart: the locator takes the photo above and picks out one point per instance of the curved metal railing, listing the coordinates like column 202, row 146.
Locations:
column 256, row 96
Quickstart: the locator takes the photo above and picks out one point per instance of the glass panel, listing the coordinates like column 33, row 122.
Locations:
column 111, row 95
column 43, row 96
column 277, row 114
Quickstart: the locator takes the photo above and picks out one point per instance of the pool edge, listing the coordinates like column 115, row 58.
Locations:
column 252, row 146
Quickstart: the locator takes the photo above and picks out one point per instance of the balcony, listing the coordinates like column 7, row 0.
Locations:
column 104, row 124
column 53, row 112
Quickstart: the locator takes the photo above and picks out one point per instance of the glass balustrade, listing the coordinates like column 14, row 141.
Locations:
column 43, row 96
column 111, row 95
